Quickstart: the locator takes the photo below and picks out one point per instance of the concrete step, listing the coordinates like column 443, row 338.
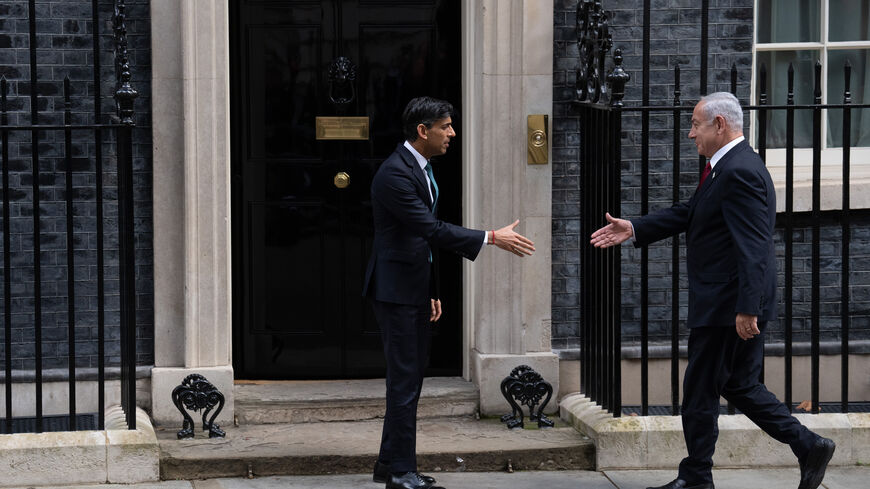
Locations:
column 266, row 402
column 443, row 445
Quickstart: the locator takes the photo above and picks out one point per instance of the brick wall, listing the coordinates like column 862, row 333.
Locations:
column 675, row 39
column 64, row 48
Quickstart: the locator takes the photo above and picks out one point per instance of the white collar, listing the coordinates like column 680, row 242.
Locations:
column 420, row 159
column 724, row 149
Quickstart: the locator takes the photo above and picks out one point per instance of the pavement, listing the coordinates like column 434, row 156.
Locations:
column 854, row 477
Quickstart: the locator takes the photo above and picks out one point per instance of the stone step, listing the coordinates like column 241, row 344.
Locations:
column 443, row 445
column 278, row 402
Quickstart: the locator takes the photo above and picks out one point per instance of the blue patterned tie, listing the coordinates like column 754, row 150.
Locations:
column 434, row 195
column 434, row 185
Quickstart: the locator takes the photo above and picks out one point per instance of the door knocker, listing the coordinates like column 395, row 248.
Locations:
column 342, row 75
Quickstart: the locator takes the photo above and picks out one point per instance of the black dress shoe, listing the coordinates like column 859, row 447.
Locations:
column 382, row 472
column 409, row 480
column 681, row 484
column 814, row 464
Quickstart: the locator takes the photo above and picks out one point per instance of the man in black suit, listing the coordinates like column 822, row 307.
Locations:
column 398, row 279
column 729, row 225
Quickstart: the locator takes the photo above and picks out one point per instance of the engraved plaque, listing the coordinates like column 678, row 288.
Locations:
column 343, row 128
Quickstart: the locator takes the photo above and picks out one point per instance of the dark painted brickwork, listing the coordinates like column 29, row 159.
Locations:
column 65, row 48
column 675, row 39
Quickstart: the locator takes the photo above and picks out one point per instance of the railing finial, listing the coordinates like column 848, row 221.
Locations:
column 125, row 94
column 617, row 80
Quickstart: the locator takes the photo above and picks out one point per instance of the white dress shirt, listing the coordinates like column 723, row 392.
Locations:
column 724, row 149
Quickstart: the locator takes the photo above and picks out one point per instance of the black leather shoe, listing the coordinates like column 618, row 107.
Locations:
column 814, row 464
column 381, row 473
column 681, row 484
column 409, row 480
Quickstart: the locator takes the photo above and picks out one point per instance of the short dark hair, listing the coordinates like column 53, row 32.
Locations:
column 423, row 110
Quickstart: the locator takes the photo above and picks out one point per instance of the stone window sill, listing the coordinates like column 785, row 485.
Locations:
column 831, row 178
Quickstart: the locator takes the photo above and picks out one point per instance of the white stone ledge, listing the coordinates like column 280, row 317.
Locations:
column 656, row 442
column 830, row 182
column 115, row 455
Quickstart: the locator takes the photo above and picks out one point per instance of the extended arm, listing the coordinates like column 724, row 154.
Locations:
column 396, row 192
column 661, row 224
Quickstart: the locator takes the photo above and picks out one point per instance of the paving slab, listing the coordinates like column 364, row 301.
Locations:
column 516, row 480
column 141, row 485
column 835, row 478
column 847, row 478
column 443, row 444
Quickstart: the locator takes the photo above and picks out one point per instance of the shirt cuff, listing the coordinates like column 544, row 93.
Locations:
column 633, row 240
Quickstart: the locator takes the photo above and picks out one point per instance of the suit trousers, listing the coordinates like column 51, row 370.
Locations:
column 406, row 334
column 722, row 364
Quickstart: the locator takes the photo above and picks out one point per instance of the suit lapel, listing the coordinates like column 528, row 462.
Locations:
column 711, row 179
column 419, row 177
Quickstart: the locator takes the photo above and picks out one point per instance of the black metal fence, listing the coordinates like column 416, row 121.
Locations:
column 115, row 135
column 601, row 187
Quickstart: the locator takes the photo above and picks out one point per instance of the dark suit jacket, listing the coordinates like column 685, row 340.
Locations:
column 399, row 270
column 729, row 240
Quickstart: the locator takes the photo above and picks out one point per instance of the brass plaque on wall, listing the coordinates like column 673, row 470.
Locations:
column 343, row 128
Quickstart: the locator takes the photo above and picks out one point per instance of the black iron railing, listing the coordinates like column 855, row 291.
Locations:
column 94, row 133
column 601, row 187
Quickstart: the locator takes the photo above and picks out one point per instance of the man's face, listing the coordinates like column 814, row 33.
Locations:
column 706, row 133
column 436, row 139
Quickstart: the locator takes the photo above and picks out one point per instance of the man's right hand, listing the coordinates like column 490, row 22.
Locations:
column 509, row 240
column 613, row 234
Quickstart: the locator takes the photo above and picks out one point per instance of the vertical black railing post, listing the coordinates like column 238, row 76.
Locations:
column 7, row 255
column 734, row 79
column 705, row 43
column 585, row 248
column 762, row 113
column 644, row 176
column 762, row 147
column 705, row 46
column 125, row 96
column 70, row 254
column 617, row 79
column 789, row 235
column 844, row 291
column 609, row 263
column 98, row 173
column 600, row 266
column 675, row 252
column 37, row 266
column 816, row 216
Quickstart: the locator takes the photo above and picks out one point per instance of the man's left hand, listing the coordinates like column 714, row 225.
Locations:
column 747, row 326
column 436, row 310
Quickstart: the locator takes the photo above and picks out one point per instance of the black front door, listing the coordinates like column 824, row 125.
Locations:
column 302, row 225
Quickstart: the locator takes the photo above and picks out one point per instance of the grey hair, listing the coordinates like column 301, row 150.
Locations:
column 726, row 105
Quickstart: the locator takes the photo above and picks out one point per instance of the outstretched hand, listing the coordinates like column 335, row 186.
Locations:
column 509, row 240
column 613, row 234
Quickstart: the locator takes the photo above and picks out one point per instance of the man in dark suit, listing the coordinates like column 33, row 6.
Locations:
column 729, row 225
column 398, row 279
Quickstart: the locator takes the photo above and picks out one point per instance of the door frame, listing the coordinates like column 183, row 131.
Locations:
column 190, row 77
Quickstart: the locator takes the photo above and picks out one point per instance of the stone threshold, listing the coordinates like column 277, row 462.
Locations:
column 447, row 444
column 114, row 455
column 656, row 442
column 278, row 402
